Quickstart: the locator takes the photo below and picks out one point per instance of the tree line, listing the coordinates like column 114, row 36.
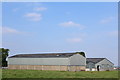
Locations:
column 3, row 55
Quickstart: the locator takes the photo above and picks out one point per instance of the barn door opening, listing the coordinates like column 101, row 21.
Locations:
column 98, row 67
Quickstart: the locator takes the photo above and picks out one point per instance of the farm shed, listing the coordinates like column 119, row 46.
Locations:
column 102, row 63
column 54, row 61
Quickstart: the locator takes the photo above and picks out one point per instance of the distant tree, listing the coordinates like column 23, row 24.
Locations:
column 81, row 53
column 3, row 56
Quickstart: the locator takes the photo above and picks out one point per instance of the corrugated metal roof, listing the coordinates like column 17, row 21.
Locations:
column 94, row 60
column 42, row 55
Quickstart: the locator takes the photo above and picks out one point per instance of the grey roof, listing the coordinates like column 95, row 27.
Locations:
column 94, row 60
column 42, row 55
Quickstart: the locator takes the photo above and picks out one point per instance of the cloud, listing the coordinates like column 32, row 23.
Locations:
column 34, row 16
column 71, row 24
column 33, row 4
column 107, row 20
column 113, row 33
column 15, row 9
column 7, row 30
column 40, row 9
column 74, row 40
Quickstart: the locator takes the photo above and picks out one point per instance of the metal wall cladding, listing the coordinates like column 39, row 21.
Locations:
column 77, row 59
column 38, row 61
column 105, row 65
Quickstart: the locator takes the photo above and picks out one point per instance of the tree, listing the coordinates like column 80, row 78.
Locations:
column 81, row 53
column 3, row 56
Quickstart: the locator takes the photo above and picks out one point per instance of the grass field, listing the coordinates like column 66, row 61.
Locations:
column 0, row 73
column 6, row 73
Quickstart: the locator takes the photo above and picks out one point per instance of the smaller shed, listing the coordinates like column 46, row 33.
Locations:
column 92, row 64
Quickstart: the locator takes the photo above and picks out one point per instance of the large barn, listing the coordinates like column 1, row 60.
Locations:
column 102, row 63
column 53, row 61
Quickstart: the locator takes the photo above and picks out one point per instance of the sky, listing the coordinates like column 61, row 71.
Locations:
column 37, row 27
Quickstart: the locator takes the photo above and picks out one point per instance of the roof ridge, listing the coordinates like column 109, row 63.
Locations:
column 43, row 55
column 94, row 60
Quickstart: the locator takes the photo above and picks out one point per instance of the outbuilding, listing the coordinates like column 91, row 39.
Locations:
column 50, row 61
column 101, row 64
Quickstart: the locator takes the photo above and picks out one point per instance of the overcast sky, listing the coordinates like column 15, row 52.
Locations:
column 90, row 27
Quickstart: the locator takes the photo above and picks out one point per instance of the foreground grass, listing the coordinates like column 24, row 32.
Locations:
column 6, row 73
column 0, row 73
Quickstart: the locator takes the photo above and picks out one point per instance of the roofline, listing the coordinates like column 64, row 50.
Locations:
column 96, row 58
column 107, row 60
column 38, row 57
column 48, row 52
column 44, row 53
column 40, row 53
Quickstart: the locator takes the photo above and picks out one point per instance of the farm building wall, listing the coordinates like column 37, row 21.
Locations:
column 38, row 61
column 105, row 65
column 61, row 64
column 48, row 67
column 77, row 59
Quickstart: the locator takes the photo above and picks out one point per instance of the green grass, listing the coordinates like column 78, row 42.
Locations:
column 6, row 73
column 0, row 73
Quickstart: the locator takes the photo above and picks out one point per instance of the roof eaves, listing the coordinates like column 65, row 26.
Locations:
column 107, row 60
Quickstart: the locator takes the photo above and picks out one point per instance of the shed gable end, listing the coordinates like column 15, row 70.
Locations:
column 77, row 59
